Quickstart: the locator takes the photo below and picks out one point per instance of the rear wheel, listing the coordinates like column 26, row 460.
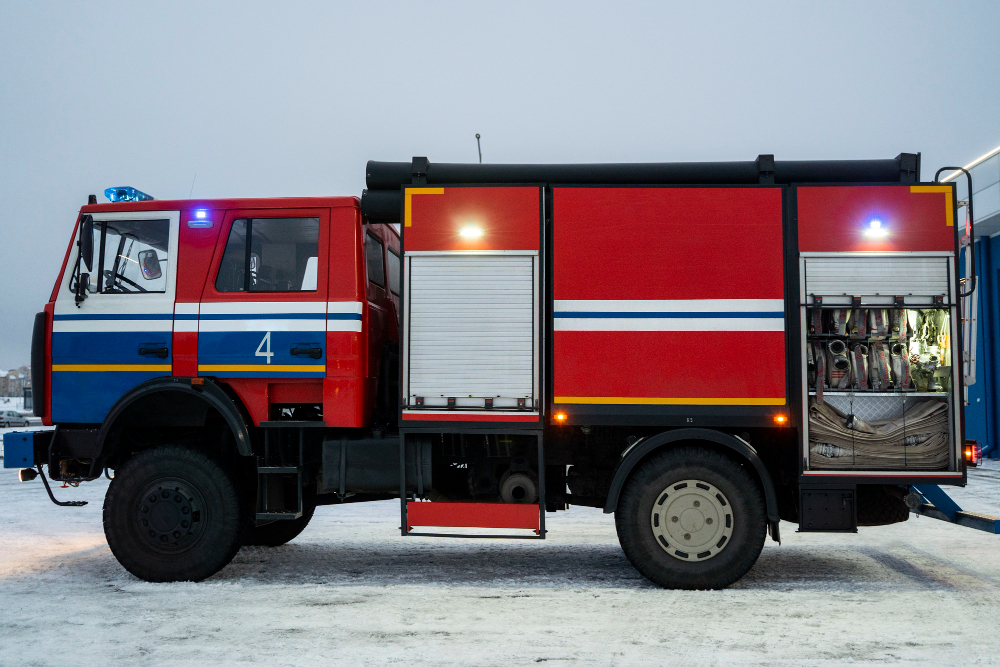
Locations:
column 691, row 518
column 172, row 514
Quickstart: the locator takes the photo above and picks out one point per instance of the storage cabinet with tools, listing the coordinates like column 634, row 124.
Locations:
column 879, row 384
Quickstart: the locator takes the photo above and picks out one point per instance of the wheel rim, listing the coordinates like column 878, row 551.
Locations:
column 170, row 516
column 692, row 520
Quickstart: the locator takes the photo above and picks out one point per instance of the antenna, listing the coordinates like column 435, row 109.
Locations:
column 480, row 148
column 192, row 184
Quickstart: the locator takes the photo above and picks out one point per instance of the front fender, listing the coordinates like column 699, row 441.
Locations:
column 209, row 392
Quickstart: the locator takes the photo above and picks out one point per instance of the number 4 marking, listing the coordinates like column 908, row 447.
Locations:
column 261, row 352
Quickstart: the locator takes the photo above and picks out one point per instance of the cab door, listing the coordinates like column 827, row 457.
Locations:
column 262, row 320
column 120, row 335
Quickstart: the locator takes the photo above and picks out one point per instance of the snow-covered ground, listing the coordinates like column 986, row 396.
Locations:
column 351, row 591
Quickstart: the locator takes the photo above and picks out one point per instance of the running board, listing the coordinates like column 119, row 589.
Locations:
column 943, row 508
column 474, row 515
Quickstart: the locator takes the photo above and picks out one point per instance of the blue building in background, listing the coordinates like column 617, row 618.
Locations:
column 982, row 415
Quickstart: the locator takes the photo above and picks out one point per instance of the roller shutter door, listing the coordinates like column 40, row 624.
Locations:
column 471, row 330
column 890, row 276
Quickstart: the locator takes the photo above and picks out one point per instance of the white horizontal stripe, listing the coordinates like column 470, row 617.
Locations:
column 262, row 307
column 186, row 308
column 670, row 305
column 186, row 326
column 261, row 325
column 344, row 307
column 97, row 326
column 344, row 325
column 671, row 324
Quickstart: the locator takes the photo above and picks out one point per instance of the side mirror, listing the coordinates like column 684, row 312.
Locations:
column 149, row 264
column 87, row 241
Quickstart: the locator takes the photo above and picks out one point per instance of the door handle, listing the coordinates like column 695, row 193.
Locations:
column 311, row 352
column 160, row 352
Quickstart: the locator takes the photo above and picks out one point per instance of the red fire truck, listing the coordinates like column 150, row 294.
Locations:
column 702, row 349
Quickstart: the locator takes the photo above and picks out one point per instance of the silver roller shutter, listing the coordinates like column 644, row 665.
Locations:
column 471, row 329
column 878, row 275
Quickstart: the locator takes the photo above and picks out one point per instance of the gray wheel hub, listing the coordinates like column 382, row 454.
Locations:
column 692, row 520
column 169, row 516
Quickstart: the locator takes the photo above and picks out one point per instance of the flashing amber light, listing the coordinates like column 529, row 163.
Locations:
column 968, row 453
column 560, row 417
column 780, row 420
column 197, row 381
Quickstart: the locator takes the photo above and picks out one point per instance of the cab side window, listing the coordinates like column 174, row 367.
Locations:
column 375, row 260
column 394, row 272
column 282, row 256
column 131, row 256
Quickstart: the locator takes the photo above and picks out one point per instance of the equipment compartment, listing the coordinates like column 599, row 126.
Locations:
column 880, row 388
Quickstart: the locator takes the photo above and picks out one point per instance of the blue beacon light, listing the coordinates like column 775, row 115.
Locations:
column 200, row 219
column 126, row 193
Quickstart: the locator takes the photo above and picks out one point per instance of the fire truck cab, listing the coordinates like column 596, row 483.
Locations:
column 702, row 349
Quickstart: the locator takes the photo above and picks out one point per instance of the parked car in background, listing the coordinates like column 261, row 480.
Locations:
column 12, row 418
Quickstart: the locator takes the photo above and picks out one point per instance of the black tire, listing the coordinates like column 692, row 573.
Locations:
column 155, row 497
column 742, row 502
column 280, row 532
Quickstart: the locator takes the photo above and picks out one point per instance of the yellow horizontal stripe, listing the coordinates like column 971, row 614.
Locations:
column 408, row 200
column 944, row 189
column 643, row 400
column 111, row 367
column 259, row 368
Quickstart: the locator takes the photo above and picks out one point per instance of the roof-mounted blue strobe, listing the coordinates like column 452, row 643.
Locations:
column 126, row 193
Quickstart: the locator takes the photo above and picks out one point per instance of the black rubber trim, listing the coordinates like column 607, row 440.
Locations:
column 38, row 365
column 645, row 447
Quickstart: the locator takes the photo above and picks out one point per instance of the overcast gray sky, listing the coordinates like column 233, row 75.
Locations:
column 291, row 98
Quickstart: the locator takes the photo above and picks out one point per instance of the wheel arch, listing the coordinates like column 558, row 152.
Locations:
column 730, row 444
column 210, row 395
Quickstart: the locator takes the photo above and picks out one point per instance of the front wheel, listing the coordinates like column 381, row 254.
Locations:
column 691, row 518
column 173, row 514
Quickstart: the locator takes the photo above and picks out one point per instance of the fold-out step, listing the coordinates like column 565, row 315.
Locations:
column 473, row 515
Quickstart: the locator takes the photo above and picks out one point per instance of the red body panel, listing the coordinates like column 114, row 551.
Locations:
column 472, row 515
column 668, row 243
column 687, row 366
column 668, row 250
column 507, row 216
column 915, row 218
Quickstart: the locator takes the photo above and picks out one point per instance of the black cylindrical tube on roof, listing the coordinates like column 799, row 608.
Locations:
column 381, row 206
column 382, row 201
column 392, row 175
column 387, row 175
column 837, row 171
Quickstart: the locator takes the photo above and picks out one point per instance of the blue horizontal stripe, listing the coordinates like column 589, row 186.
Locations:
column 343, row 316
column 266, row 316
column 190, row 316
column 116, row 316
column 669, row 315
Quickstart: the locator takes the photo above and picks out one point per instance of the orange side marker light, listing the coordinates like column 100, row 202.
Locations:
column 560, row 417
column 780, row 420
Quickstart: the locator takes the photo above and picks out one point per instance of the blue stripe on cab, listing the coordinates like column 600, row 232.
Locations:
column 265, row 316
column 343, row 316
